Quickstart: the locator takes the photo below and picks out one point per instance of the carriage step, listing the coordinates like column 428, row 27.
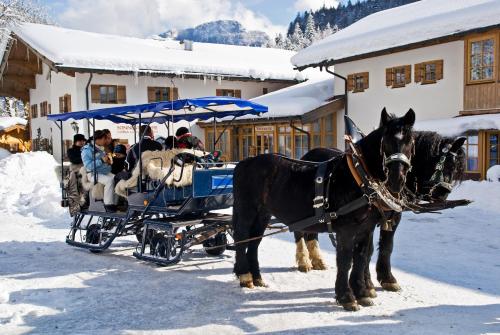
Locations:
column 166, row 224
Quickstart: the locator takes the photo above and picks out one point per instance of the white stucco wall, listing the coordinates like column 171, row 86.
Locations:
column 51, row 88
column 439, row 100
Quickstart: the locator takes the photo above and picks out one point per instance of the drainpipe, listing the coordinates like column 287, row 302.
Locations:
column 88, row 102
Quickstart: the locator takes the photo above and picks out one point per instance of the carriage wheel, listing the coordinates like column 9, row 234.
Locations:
column 93, row 235
column 211, row 244
column 163, row 246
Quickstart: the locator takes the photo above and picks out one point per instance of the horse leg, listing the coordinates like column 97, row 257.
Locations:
column 384, row 273
column 242, row 223
column 343, row 292
column 253, row 248
column 301, row 253
column 357, row 279
column 368, row 278
column 314, row 252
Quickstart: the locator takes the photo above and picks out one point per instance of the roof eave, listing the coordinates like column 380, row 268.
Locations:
column 415, row 45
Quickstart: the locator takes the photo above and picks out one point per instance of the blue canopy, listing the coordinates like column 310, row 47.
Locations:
column 169, row 111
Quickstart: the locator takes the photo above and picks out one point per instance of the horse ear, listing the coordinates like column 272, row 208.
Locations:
column 384, row 117
column 409, row 118
column 457, row 144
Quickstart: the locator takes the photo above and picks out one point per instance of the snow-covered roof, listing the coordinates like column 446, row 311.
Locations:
column 10, row 121
column 459, row 125
column 296, row 100
column 68, row 48
column 416, row 22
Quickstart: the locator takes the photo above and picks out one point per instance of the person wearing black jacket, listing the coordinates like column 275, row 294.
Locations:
column 75, row 152
column 147, row 144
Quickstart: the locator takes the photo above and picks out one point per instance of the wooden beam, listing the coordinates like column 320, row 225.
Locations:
column 27, row 81
column 21, row 64
column 19, row 94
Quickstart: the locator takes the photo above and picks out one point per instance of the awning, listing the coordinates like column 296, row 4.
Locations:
column 169, row 111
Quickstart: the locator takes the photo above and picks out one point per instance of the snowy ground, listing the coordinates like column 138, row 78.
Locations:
column 448, row 266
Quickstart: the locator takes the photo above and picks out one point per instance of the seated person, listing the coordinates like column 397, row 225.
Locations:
column 75, row 152
column 119, row 155
column 102, row 164
column 147, row 144
column 186, row 140
column 170, row 143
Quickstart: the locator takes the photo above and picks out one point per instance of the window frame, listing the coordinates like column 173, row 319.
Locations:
column 488, row 145
column 352, row 81
column 222, row 92
column 119, row 89
column 482, row 38
column 395, row 72
column 478, row 145
column 34, row 111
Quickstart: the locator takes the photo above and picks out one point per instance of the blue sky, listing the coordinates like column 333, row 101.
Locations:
column 145, row 17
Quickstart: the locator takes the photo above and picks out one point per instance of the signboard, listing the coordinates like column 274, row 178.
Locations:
column 267, row 129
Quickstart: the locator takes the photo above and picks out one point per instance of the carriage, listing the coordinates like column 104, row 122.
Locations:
column 171, row 213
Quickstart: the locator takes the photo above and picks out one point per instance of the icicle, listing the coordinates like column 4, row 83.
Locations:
column 136, row 78
column 204, row 80
column 219, row 80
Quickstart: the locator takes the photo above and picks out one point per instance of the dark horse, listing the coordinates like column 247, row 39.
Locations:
column 270, row 184
column 439, row 162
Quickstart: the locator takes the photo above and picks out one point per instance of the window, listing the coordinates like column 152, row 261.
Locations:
column 265, row 90
column 44, row 109
column 398, row 76
column 472, row 152
column 223, row 143
column 285, row 140
column 330, row 141
column 34, row 111
column 109, row 94
column 228, row 93
column 493, row 153
column 481, row 59
column 301, row 141
column 156, row 94
column 246, row 148
column 429, row 72
column 65, row 104
column 358, row 82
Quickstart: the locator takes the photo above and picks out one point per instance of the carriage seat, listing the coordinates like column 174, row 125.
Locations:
column 156, row 165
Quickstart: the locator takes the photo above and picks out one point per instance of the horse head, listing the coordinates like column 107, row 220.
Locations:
column 396, row 148
column 448, row 170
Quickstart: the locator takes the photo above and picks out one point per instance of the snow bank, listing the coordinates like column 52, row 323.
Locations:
column 413, row 23
column 4, row 153
column 486, row 195
column 493, row 173
column 29, row 185
column 8, row 121
column 81, row 49
column 459, row 125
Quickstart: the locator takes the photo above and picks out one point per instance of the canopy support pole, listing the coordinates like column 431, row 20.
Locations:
column 93, row 152
column 224, row 130
column 141, row 136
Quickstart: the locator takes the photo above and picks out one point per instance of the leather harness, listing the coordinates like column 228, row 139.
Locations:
column 373, row 194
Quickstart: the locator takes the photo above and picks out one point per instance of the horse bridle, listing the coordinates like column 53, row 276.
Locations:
column 437, row 179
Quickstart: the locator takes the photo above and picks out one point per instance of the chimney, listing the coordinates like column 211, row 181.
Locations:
column 188, row 45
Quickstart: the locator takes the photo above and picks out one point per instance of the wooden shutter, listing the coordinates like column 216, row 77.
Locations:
column 439, row 69
column 350, row 82
column 408, row 74
column 151, row 94
column 50, row 108
column 237, row 93
column 218, row 92
column 366, row 80
column 67, row 103
column 61, row 104
column 95, row 94
column 121, row 94
column 419, row 72
column 174, row 93
column 389, row 77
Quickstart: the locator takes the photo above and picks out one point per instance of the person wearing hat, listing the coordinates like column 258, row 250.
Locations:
column 75, row 152
column 119, row 155
column 186, row 140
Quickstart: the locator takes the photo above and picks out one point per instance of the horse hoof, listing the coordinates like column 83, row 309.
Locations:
column 372, row 293
column 305, row 267
column 365, row 302
column 246, row 280
column 319, row 265
column 351, row 306
column 259, row 282
column 393, row 287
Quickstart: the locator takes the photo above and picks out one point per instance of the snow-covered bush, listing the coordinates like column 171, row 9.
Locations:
column 493, row 173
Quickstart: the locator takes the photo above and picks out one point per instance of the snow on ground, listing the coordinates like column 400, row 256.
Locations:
column 4, row 153
column 448, row 265
column 9, row 121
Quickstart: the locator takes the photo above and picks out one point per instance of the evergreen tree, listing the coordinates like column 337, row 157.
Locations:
column 297, row 39
column 310, row 31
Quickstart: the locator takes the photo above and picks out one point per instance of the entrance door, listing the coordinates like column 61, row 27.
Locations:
column 265, row 143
